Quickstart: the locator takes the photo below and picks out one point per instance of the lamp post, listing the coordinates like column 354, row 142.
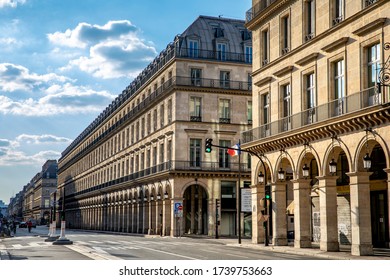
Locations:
column 262, row 178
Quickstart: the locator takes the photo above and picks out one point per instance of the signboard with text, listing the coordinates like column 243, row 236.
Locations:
column 246, row 200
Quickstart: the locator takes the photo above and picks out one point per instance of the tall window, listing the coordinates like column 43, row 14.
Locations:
column 223, row 156
column 142, row 128
column 248, row 54
column 169, row 111
column 155, row 119
column 339, row 87
column 224, row 79
column 148, row 123
column 162, row 152
column 265, row 47
column 195, row 149
column 224, row 110
column 338, row 11
column 162, row 115
column 221, row 51
column 266, row 111
column 249, row 112
column 196, row 76
column 193, row 48
column 286, row 91
column 310, row 102
column 285, row 34
column 309, row 19
column 195, row 109
column 373, row 68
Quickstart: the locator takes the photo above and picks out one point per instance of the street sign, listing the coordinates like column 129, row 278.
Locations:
column 246, row 200
column 178, row 210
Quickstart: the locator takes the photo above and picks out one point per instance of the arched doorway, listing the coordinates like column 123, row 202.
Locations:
column 378, row 198
column 195, row 210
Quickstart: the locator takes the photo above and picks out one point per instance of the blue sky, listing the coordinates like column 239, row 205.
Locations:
column 62, row 62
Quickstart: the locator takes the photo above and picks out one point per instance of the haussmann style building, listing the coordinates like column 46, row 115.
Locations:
column 141, row 166
column 321, row 128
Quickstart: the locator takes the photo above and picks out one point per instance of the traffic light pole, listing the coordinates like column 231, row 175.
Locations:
column 265, row 223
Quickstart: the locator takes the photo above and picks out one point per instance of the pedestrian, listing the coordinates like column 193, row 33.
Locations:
column 14, row 227
column 29, row 226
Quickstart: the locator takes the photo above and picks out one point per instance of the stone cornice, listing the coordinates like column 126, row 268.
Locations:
column 307, row 59
column 369, row 27
column 284, row 71
column 335, row 44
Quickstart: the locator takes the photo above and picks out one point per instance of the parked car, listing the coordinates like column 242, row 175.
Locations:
column 23, row 225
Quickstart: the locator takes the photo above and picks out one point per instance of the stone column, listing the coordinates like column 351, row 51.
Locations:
column 360, row 213
column 302, row 213
column 279, row 219
column 166, row 224
column 192, row 229
column 328, row 213
column 258, row 235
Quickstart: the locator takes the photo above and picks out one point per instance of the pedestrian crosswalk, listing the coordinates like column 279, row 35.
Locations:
column 100, row 244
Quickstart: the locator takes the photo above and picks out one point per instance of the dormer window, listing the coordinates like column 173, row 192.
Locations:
column 193, row 48
column 218, row 32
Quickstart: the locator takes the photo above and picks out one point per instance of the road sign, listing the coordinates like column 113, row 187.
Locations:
column 246, row 200
column 178, row 210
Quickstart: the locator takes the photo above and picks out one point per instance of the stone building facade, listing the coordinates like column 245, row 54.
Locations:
column 140, row 166
column 321, row 99
column 37, row 204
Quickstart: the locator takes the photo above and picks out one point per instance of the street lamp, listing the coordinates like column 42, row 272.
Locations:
column 281, row 174
column 261, row 177
column 158, row 196
column 332, row 167
column 305, row 171
column 367, row 162
column 166, row 195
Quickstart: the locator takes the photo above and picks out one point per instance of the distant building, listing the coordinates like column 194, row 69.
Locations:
column 37, row 203
column 141, row 167
column 3, row 210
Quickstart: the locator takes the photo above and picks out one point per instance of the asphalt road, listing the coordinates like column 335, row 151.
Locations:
column 101, row 246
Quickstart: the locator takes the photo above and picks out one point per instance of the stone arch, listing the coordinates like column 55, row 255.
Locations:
column 305, row 157
column 333, row 151
column 286, row 162
column 367, row 143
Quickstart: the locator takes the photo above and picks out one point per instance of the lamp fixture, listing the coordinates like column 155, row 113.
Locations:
column 158, row 196
column 261, row 177
column 367, row 159
column 305, row 171
column 281, row 174
column 165, row 195
column 151, row 197
column 332, row 163
column 305, row 168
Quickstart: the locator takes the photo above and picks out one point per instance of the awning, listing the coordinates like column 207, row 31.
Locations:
column 290, row 208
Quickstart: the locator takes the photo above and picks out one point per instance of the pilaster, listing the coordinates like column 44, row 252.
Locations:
column 279, row 221
column 328, row 213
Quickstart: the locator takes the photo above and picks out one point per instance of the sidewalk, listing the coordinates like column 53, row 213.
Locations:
column 343, row 254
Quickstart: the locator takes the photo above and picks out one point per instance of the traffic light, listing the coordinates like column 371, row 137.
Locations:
column 209, row 143
column 268, row 192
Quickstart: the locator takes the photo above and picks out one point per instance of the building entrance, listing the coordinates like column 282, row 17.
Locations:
column 379, row 219
column 195, row 210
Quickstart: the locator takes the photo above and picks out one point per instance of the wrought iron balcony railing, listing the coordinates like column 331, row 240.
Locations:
column 352, row 103
column 257, row 9
column 175, row 165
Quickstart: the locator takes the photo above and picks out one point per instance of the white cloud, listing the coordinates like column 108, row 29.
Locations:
column 11, row 3
column 41, row 139
column 63, row 99
column 51, row 94
column 115, row 50
column 11, row 155
column 16, row 77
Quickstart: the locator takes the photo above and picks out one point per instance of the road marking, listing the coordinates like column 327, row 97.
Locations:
column 168, row 253
column 86, row 251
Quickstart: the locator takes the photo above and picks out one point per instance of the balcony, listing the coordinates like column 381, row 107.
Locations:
column 212, row 55
column 334, row 109
column 175, row 165
column 257, row 9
